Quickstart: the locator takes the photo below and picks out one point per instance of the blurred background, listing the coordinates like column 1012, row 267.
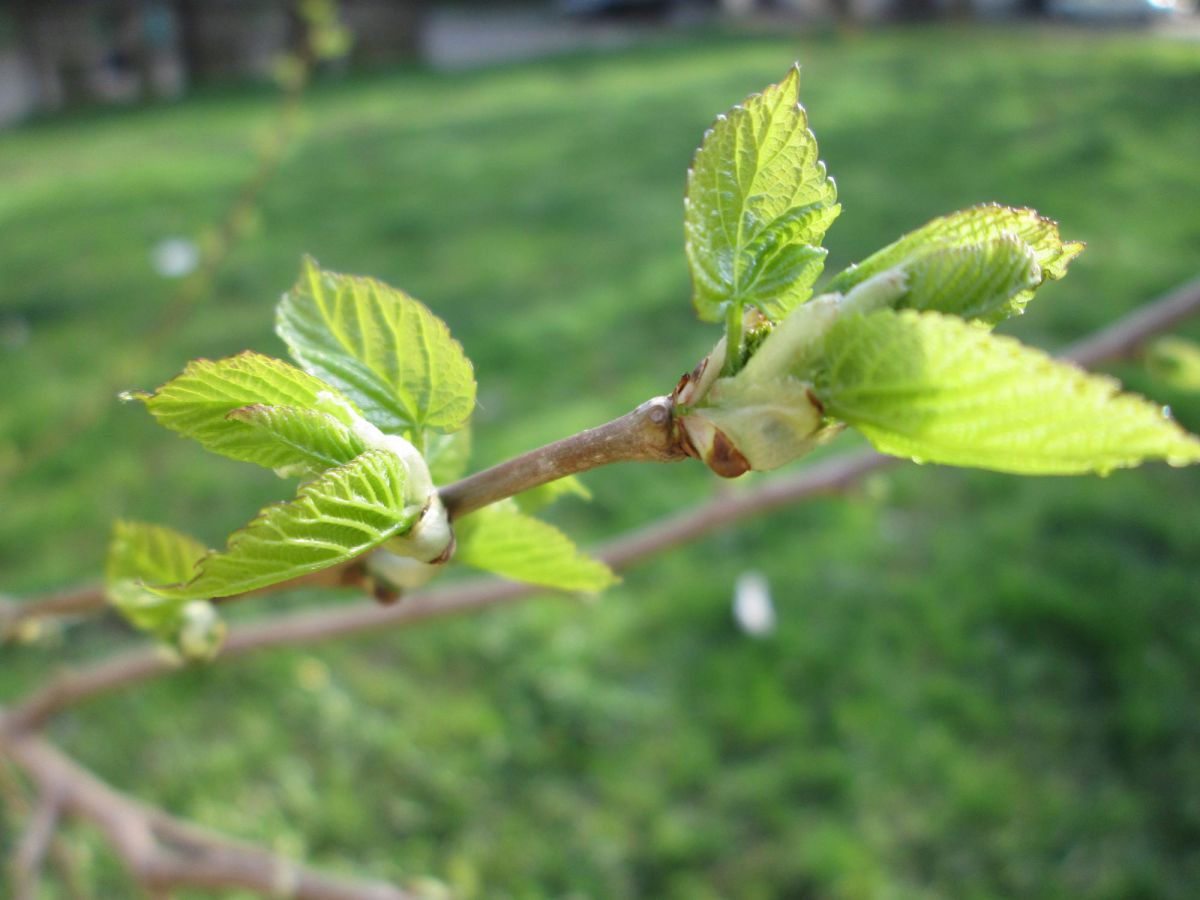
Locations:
column 943, row 684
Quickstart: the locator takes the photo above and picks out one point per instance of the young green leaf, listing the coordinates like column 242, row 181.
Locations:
column 976, row 228
column 972, row 281
column 934, row 388
column 221, row 404
column 139, row 554
column 503, row 540
column 1176, row 362
column 295, row 441
column 153, row 554
column 758, row 205
column 543, row 495
column 388, row 352
column 337, row 517
column 448, row 454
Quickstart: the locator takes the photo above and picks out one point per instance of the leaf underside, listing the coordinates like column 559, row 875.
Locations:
column 503, row 540
column 335, row 518
column 988, row 233
column 933, row 388
column 140, row 553
column 758, row 204
column 384, row 349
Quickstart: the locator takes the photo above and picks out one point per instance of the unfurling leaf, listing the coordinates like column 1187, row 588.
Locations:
column 154, row 554
column 386, row 351
column 503, row 540
column 1175, row 361
column 543, row 495
column 448, row 455
column 141, row 554
column 934, row 388
column 972, row 262
column 257, row 409
column 758, row 205
column 337, row 517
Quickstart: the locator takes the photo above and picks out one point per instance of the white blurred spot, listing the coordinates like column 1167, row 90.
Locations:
column 752, row 607
column 175, row 257
column 14, row 333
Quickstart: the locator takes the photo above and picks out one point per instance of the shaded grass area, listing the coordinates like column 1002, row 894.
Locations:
column 981, row 686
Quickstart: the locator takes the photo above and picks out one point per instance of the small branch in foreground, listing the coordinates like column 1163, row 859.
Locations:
column 35, row 843
column 164, row 853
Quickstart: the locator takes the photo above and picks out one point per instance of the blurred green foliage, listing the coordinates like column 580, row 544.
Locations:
column 980, row 686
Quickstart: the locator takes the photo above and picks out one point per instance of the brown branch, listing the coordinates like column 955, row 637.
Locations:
column 16, row 615
column 640, row 435
column 646, row 434
column 64, row 858
column 164, row 853
column 35, row 843
column 1125, row 337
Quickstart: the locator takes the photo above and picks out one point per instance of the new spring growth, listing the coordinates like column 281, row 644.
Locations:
column 768, row 413
column 411, row 560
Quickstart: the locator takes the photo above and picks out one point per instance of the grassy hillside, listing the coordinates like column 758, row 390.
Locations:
column 980, row 686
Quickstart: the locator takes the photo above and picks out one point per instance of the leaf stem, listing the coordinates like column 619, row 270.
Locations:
column 733, row 338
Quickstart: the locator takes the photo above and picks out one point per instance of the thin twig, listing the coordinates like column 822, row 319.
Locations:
column 62, row 854
column 78, row 601
column 31, row 851
column 1125, row 337
column 165, row 853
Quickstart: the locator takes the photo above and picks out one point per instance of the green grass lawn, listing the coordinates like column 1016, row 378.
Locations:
column 981, row 686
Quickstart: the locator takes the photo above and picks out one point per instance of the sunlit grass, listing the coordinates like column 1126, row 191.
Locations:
column 981, row 685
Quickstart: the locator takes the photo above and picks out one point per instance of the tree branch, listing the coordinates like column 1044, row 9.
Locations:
column 1125, row 337
column 641, row 435
column 647, row 434
column 164, row 853
column 31, row 851
column 16, row 615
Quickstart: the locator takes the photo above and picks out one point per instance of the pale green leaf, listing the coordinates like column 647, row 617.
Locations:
column 335, row 518
column 140, row 554
column 387, row 351
column 976, row 226
column 935, row 388
column 503, row 540
column 208, row 403
column 1175, row 361
column 543, row 495
column 154, row 554
column 295, row 441
column 972, row 281
column 447, row 455
column 758, row 205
